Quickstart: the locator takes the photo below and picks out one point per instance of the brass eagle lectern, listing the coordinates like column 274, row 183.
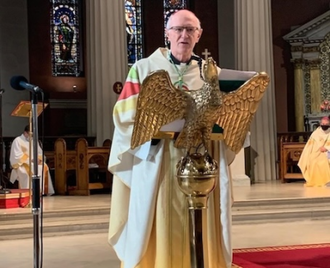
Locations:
column 160, row 103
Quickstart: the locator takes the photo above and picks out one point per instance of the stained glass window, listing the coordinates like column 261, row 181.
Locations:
column 65, row 37
column 171, row 6
column 133, row 30
column 133, row 16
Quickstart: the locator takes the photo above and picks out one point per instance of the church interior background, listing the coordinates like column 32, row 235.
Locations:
column 31, row 51
column 287, row 39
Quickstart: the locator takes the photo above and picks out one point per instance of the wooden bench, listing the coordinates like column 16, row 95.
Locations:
column 80, row 160
column 290, row 147
column 48, row 148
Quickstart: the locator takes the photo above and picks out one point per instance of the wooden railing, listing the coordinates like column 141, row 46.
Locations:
column 290, row 147
column 85, row 156
column 83, row 160
column 48, row 147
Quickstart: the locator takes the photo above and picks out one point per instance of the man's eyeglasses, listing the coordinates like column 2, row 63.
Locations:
column 179, row 29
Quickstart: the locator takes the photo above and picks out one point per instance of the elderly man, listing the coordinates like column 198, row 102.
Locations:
column 19, row 160
column 149, row 216
column 149, row 225
column 314, row 160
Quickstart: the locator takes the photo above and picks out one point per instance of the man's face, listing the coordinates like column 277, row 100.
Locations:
column 183, row 33
column 26, row 135
column 325, row 124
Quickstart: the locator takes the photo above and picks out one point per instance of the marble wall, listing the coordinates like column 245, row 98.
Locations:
column 13, row 61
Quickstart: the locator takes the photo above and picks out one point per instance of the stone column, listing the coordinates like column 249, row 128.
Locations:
column 237, row 168
column 254, row 52
column 299, row 94
column 106, row 63
column 315, row 78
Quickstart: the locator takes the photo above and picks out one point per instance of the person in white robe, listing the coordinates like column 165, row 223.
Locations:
column 314, row 161
column 149, row 214
column 20, row 159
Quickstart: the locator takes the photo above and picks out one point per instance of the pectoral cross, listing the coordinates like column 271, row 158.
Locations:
column 206, row 53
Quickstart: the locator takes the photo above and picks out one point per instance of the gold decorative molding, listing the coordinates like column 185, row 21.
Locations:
column 310, row 49
column 296, row 48
column 324, row 67
column 298, row 63
column 314, row 64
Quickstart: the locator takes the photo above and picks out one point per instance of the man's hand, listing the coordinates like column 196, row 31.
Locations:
column 323, row 150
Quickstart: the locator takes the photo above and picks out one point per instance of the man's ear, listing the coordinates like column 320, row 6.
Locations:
column 198, row 37
column 166, row 33
column 200, row 34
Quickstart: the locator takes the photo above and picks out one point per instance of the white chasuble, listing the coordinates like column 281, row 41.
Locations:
column 149, row 216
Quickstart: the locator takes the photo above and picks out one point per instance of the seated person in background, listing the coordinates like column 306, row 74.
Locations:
column 314, row 161
column 19, row 160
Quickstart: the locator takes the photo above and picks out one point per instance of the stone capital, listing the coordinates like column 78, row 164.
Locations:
column 298, row 63
column 314, row 64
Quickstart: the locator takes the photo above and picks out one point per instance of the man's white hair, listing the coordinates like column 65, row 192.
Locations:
column 170, row 18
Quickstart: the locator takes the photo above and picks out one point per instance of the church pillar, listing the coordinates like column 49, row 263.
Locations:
column 237, row 167
column 315, row 79
column 299, row 94
column 254, row 52
column 106, row 63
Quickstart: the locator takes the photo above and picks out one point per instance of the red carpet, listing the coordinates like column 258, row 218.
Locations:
column 304, row 256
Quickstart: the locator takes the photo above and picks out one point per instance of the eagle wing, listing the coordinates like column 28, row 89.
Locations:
column 238, row 109
column 159, row 103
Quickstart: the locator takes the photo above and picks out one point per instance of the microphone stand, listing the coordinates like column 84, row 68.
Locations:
column 35, row 184
column 3, row 189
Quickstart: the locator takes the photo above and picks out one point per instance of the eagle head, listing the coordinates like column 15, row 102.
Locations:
column 210, row 70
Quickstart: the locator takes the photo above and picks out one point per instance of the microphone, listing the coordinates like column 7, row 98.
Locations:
column 19, row 82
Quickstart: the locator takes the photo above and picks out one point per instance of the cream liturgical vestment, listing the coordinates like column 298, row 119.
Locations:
column 313, row 163
column 19, row 160
column 149, row 215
